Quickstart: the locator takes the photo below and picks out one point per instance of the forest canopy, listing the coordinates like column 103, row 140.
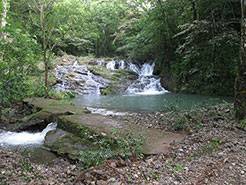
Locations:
column 193, row 41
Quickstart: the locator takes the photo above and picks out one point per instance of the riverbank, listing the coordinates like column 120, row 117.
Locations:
column 213, row 152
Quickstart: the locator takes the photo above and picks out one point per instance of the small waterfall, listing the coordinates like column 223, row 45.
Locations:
column 75, row 63
column 61, row 71
column 146, row 84
column 101, row 62
column 147, row 69
column 92, row 81
column 25, row 138
column 111, row 65
column 116, row 65
column 122, row 64
column 79, row 79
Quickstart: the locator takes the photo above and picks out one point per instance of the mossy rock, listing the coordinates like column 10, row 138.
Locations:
column 90, row 124
column 42, row 115
column 107, row 91
column 55, row 106
column 48, row 111
column 126, row 78
column 65, row 143
column 101, row 71
column 86, row 125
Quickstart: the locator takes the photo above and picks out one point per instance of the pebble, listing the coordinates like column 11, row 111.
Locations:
column 221, row 154
column 117, row 183
column 111, row 180
column 101, row 182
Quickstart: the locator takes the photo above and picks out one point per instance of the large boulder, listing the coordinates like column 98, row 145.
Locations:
column 45, row 111
column 65, row 143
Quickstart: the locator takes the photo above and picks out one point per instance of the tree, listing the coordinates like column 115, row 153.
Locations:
column 240, row 96
column 17, row 50
column 4, row 17
column 46, row 20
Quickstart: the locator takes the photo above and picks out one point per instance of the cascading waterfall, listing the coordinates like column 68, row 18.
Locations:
column 146, row 84
column 79, row 79
column 91, row 81
column 25, row 138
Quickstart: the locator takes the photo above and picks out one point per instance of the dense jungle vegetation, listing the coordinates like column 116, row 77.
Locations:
column 195, row 43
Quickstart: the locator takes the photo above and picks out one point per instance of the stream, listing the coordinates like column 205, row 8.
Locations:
column 24, row 139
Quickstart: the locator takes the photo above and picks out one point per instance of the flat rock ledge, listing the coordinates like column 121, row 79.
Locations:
column 74, row 124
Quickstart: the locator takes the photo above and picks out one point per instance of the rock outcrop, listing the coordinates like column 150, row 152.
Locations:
column 84, row 76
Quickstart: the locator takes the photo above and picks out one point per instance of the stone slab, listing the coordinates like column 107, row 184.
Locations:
column 157, row 141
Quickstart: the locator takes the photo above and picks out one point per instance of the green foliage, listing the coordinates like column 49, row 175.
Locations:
column 177, row 167
column 214, row 145
column 215, row 66
column 27, row 168
column 108, row 148
column 201, row 54
column 241, row 124
column 60, row 95
column 16, row 59
column 37, row 90
column 182, row 123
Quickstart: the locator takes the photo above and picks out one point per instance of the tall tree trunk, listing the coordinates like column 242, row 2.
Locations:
column 193, row 2
column 240, row 95
column 4, row 15
column 46, row 64
column 45, row 48
column 3, row 25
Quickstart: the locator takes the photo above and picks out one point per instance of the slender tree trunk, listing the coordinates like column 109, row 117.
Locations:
column 43, row 29
column 46, row 68
column 194, row 10
column 3, row 34
column 240, row 95
column 4, row 15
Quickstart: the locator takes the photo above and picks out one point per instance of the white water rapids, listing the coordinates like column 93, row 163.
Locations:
column 25, row 138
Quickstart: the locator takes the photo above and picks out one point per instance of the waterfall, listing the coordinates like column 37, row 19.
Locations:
column 147, row 83
column 111, row 65
column 79, row 79
column 122, row 64
column 25, row 138
column 92, row 81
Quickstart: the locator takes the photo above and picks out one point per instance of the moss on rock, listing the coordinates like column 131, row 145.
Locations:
column 65, row 143
column 107, row 91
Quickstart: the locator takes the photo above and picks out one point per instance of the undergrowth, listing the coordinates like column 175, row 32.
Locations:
column 106, row 148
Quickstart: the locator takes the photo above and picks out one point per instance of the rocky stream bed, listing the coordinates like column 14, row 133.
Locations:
column 212, row 152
